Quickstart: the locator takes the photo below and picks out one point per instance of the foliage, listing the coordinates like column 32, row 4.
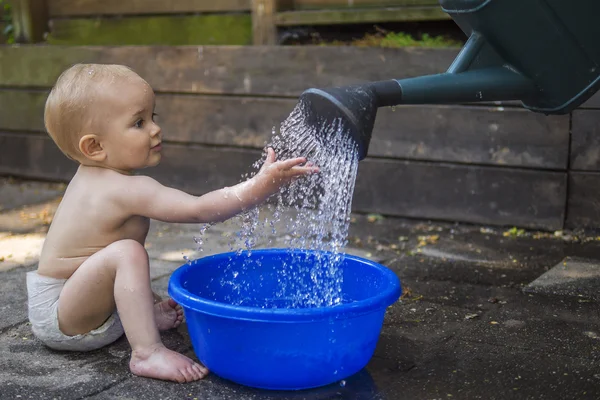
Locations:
column 387, row 39
column 8, row 30
column 401, row 39
column 514, row 232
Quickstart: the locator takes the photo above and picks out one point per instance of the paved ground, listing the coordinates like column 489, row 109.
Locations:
column 470, row 325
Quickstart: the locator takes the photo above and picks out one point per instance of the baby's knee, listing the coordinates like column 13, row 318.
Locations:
column 130, row 252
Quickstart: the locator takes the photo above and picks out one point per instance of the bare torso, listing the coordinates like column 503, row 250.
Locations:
column 88, row 219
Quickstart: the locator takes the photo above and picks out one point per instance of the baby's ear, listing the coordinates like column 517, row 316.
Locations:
column 90, row 147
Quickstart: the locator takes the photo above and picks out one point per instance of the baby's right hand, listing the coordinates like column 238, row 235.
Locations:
column 280, row 173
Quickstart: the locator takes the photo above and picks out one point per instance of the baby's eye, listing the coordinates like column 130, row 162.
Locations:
column 139, row 123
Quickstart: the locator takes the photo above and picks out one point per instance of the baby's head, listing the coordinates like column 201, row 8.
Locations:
column 89, row 109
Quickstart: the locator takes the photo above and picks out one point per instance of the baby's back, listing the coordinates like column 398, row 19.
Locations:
column 90, row 217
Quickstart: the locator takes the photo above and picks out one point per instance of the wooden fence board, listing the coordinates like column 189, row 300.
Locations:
column 62, row 8
column 209, row 29
column 482, row 135
column 247, row 70
column 360, row 16
column 498, row 196
column 194, row 168
column 583, row 207
column 585, row 140
column 198, row 169
column 3, row 37
column 33, row 156
column 325, row 4
column 592, row 102
column 22, row 110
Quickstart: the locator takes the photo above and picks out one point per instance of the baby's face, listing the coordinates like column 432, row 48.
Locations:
column 129, row 135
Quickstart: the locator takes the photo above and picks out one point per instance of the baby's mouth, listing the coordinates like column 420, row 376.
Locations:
column 157, row 147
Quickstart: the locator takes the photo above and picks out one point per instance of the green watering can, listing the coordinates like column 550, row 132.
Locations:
column 544, row 53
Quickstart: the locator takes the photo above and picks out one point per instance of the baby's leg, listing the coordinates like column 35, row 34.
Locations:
column 120, row 274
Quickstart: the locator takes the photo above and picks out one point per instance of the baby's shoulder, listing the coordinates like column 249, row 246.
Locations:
column 126, row 185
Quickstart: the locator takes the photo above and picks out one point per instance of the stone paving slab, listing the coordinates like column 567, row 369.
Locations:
column 463, row 329
column 28, row 369
column 466, row 370
column 575, row 277
column 160, row 268
column 554, row 327
column 19, row 250
column 474, row 297
column 471, row 259
column 359, row 387
column 13, row 298
column 17, row 193
column 28, row 219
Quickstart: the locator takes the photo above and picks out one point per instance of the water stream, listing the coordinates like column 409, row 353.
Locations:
column 312, row 213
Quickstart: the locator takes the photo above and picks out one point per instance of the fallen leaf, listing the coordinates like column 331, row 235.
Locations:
column 374, row 217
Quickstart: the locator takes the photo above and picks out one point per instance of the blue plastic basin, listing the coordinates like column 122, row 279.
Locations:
column 281, row 348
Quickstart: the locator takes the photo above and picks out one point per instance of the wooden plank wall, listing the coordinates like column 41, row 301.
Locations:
column 150, row 22
column 492, row 164
column 202, row 22
column 325, row 12
column 584, row 173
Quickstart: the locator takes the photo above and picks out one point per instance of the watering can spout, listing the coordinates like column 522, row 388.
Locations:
column 356, row 106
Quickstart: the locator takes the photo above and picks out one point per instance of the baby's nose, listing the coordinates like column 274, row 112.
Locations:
column 156, row 130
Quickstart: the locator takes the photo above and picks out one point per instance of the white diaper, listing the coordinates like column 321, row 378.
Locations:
column 43, row 295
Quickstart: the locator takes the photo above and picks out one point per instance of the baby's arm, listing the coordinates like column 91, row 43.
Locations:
column 147, row 197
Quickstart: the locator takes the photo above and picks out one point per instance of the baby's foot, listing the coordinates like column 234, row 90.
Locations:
column 161, row 363
column 168, row 315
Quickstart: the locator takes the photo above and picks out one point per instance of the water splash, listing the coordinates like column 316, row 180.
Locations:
column 312, row 213
column 323, row 201
column 320, row 207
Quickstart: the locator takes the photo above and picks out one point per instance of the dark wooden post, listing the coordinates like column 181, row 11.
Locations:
column 264, row 31
column 30, row 20
column 2, row 26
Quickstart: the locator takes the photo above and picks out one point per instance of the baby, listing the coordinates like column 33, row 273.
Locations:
column 93, row 280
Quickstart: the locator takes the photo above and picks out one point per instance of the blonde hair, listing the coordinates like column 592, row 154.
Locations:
column 67, row 114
